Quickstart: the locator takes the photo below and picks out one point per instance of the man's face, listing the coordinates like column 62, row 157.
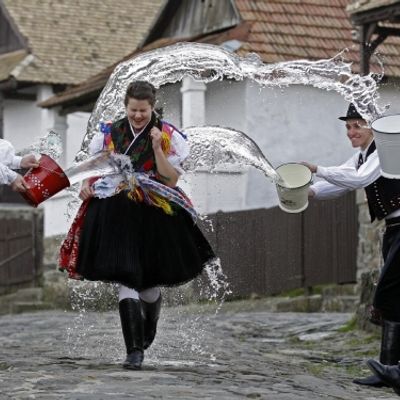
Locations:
column 359, row 133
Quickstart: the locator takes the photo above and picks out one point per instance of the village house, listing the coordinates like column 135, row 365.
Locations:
column 289, row 124
column 46, row 46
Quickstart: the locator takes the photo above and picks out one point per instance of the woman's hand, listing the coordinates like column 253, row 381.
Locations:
column 86, row 190
column 156, row 137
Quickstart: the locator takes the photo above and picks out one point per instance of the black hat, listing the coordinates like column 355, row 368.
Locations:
column 352, row 113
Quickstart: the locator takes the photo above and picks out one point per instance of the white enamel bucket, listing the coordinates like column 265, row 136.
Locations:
column 387, row 139
column 293, row 188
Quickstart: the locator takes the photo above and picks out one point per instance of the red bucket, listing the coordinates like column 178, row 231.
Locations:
column 44, row 181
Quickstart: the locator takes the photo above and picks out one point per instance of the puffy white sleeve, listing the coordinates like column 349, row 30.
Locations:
column 348, row 176
column 7, row 155
column 179, row 151
column 324, row 190
column 7, row 176
column 96, row 143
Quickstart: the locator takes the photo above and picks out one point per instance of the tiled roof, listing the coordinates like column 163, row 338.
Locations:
column 74, row 39
column 283, row 30
column 279, row 30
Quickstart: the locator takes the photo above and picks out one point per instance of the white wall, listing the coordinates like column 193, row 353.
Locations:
column 298, row 123
column 77, row 125
column 22, row 122
column 56, row 221
column 390, row 94
column 291, row 124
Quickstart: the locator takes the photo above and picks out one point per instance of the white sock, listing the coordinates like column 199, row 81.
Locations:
column 127, row 293
column 150, row 295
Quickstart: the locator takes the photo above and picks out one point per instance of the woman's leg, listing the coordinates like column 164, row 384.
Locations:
column 130, row 311
column 151, row 305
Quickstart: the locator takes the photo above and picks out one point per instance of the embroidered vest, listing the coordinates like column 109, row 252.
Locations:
column 383, row 195
column 118, row 137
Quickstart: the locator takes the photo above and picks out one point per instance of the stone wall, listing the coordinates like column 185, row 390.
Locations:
column 369, row 260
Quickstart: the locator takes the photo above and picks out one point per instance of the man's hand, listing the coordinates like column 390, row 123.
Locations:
column 19, row 184
column 86, row 191
column 311, row 167
column 29, row 161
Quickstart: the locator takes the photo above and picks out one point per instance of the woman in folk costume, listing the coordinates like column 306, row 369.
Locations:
column 140, row 234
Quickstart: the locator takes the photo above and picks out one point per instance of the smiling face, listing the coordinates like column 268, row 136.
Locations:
column 138, row 113
column 359, row 133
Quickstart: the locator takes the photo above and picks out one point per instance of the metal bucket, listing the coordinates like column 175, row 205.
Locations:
column 387, row 139
column 293, row 187
column 44, row 181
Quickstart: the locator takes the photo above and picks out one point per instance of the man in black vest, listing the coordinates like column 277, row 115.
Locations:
column 362, row 170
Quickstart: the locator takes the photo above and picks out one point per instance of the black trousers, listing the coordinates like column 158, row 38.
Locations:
column 387, row 294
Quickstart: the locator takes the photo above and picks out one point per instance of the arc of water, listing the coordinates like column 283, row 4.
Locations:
column 209, row 63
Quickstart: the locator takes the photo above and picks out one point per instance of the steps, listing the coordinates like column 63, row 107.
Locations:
column 23, row 300
column 332, row 298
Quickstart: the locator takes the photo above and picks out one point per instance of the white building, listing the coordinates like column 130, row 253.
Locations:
column 290, row 124
column 47, row 46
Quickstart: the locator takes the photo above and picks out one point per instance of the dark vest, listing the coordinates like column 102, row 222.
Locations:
column 383, row 195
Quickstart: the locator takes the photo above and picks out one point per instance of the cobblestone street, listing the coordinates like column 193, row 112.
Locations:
column 241, row 352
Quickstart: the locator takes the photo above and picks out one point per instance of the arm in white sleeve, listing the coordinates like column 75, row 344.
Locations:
column 324, row 190
column 7, row 155
column 97, row 143
column 179, row 151
column 7, row 176
column 347, row 175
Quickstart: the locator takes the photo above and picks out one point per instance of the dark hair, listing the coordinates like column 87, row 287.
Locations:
column 141, row 90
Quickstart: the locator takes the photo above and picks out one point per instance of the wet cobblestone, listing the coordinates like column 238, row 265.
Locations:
column 238, row 353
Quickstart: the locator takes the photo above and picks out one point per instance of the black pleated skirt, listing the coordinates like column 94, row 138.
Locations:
column 139, row 245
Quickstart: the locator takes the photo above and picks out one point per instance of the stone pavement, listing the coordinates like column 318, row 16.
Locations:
column 241, row 352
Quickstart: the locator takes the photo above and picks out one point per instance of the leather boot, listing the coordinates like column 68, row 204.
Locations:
column 151, row 313
column 386, row 369
column 390, row 374
column 374, row 380
column 130, row 312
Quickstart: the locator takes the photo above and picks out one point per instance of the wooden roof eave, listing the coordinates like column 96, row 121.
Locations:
column 383, row 13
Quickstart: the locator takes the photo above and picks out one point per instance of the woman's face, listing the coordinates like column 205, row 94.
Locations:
column 138, row 112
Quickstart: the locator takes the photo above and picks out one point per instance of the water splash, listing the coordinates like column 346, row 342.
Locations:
column 212, row 147
column 50, row 144
column 99, row 164
column 208, row 63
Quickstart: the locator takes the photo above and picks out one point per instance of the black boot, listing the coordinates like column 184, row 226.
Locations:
column 374, row 380
column 130, row 312
column 151, row 313
column 390, row 374
column 390, row 354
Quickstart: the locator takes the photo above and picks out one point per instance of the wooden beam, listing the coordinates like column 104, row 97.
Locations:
column 1, row 115
column 386, row 13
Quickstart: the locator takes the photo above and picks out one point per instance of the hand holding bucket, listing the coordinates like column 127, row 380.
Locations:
column 293, row 187
column 44, row 181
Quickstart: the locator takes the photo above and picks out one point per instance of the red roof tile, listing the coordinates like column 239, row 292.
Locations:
column 280, row 30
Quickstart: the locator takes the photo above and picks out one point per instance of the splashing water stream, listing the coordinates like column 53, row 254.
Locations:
column 213, row 146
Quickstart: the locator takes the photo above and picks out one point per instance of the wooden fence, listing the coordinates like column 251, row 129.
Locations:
column 267, row 251
column 21, row 246
column 263, row 251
